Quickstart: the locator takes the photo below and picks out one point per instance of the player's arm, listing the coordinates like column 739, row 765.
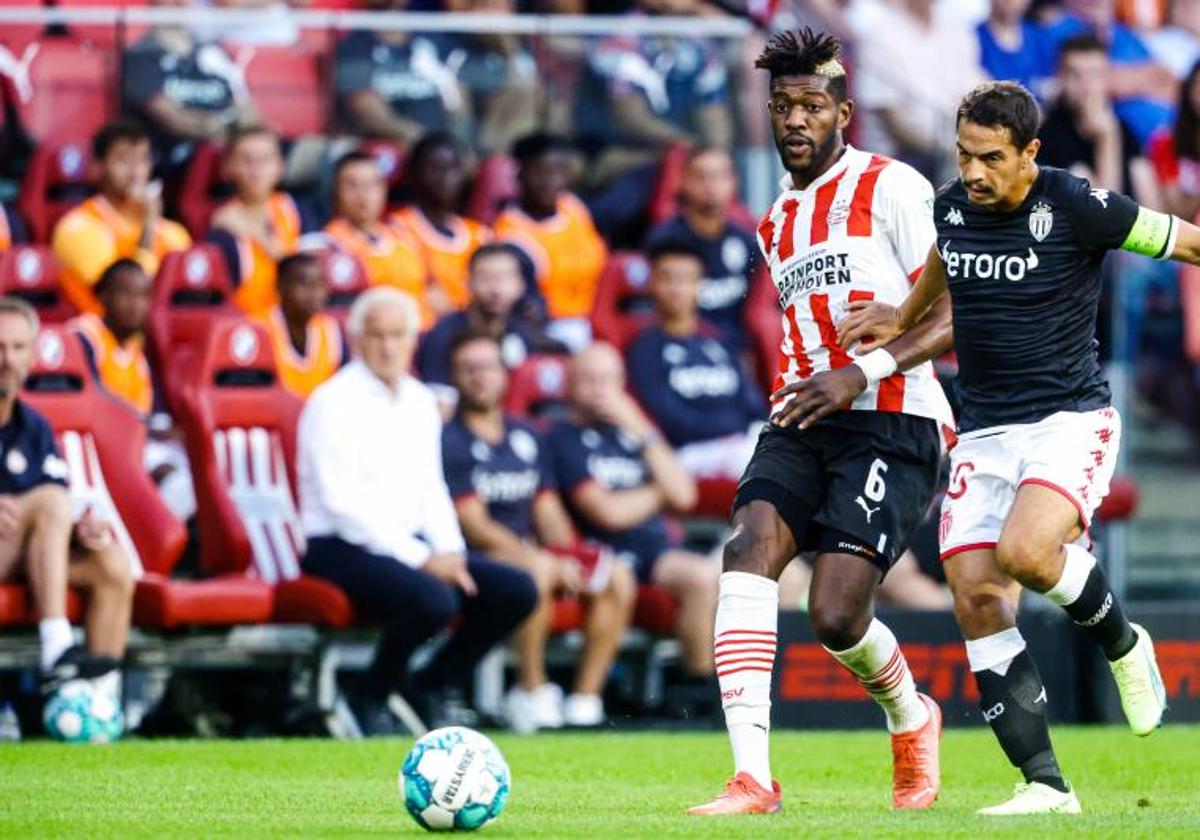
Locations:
column 551, row 521
column 617, row 510
column 486, row 534
column 872, row 324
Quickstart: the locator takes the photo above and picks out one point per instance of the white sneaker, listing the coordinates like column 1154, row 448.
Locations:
column 529, row 711
column 584, row 710
column 1143, row 698
column 1034, row 798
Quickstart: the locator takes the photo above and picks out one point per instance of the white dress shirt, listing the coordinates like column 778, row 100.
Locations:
column 370, row 467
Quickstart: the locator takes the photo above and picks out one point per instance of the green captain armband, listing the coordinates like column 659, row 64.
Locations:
column 1153, row 234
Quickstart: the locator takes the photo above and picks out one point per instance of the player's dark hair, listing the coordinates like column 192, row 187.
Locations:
column 238, row 133
column 466, row 337
column 123, row 130
column 1076, row 44
column 1186, row 133
column 429, row 143
column 108, row 276
column 536, row 145
column 493, row 249
column 1003, row 105
column 669, row 247
column 351, row 158
column 285, row 270
column 805, row 52
column 702, row 149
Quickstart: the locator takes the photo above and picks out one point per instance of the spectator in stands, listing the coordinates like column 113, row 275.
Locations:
column 260, row 224
column 388, row 254
column 1014, row 48
column 555, row 230
column 619, row 477
column 496, row 286
column 1082, row 131
column 638, row 95
column 1175, row 152
column 694, row 390
column 124, row 218
column 41, row 542
column 114, row 345
column 381, row 525
column 914, row 66
column 499, row 75
column 185, row 90
column 1142, row 88
column 435, row 177
column 728, row 249
column 502, row 482
column 395, row 85
column 1176, row 45
column 308, row 341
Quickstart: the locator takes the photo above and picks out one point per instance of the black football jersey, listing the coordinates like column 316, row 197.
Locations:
column 1025, row 290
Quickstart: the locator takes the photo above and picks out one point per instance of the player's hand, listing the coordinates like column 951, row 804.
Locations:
column 623, row 412
column 869, row 324
column 452, row 569
column 570, row 576
column 92, row 533
column 10, row 518
column 818, row 397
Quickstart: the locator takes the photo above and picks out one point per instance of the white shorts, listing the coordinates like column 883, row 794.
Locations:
column 1071, row 452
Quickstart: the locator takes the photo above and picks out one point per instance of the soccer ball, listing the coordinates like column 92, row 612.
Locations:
column 79, row 713
column 454, row 779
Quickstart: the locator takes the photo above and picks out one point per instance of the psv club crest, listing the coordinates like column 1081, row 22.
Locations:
column 1040, row 220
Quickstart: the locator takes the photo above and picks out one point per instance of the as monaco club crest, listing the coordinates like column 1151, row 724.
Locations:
column 1040, row 220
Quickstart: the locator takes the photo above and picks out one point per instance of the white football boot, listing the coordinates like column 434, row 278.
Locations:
column 1143, row 698
column 1034, row 798
column 583, row 710
column 541, row 708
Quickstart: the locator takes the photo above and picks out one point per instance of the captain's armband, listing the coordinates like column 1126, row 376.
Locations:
column 1153, row 234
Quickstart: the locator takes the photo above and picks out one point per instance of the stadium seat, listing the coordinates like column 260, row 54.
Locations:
column 1121, row 503
column 102, row 441
column 31, row 272
column 391, row 158
column 192, row 291
column 73, row 88
column 286, row 86
column 655, row 610
column 714, row 498
column 56, row 179
column 622, row 306
column 664, row 199
column 200, row 189
column 241, row 426
column 17, row 608
column 494, row 186
column 537, row 388
column 346, row 278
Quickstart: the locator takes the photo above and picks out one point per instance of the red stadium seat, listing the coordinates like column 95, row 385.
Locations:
column 73, row 89
column 495, row 185
column 391, row 157
column 346, row 278
column 537, row 387
column 241, row 427
column 56, row 179
column 199, row 192
column 31, row 272
column 714, row 497
column 192, row 291
column 286, row 86
column 17, row 608
column 622, row 306
column 1121, row 503
column 655, row 610
column 102, row 441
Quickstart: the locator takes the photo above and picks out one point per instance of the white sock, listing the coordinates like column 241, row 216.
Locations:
column 55, row 636
column 882, row 670
column 744, row 653
column 995, row 652
column 1076, row 570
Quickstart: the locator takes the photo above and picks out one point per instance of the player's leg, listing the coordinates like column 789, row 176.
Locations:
column 693, row 582
column 1011, row 693
column 43, row 535
column 535, row 702
column 608, row 616
column 108, row 579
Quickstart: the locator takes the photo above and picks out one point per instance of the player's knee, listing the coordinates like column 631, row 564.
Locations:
column 50, row 506
column 1027, row 559
column 981, row 611
column 114, row 574
column 622, row 586
column 544, row 572
column 838, row 626
column 751, row 550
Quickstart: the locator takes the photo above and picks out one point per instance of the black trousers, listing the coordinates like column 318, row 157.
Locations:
column 414, row 606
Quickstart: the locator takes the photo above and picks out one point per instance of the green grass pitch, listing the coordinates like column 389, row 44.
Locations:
column 835, row 784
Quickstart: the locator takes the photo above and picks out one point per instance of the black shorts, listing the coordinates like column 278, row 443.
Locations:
column 858, row 482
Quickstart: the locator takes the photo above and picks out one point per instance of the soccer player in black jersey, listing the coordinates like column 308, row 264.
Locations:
column 1019, row 250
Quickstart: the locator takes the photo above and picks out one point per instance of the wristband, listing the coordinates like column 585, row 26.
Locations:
column 877, row 365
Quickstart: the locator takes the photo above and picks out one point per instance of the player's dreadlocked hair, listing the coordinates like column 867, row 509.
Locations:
column 805, row 53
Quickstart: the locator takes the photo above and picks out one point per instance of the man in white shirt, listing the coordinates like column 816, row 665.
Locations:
column 379, row 520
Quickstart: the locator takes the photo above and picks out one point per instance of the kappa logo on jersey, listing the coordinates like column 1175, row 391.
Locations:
column 954, row 217
column 968, row 266
column 1041, row 220
column 1100, row 195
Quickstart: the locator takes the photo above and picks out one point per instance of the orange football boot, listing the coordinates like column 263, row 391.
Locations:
column 742, row 795
column 916, row 773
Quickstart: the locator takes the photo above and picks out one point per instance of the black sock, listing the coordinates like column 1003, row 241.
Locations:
column 1014, row 705
column 1099, row 613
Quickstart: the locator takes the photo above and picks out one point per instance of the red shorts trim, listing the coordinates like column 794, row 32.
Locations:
column 959, row 549
column 1041, row 482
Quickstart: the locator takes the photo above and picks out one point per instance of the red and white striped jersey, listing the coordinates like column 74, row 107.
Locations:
column 859, row 232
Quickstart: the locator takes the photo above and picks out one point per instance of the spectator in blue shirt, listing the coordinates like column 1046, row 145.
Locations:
column 692, row 387
column 499, row 473
column 41, row 542
column 1013, row 48
column 728, row 250
column 619, row 477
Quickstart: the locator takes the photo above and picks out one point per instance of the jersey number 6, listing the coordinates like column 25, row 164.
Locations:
column 875, row 488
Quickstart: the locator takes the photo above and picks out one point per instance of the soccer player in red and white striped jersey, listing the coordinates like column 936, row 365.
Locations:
column 849, row 463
